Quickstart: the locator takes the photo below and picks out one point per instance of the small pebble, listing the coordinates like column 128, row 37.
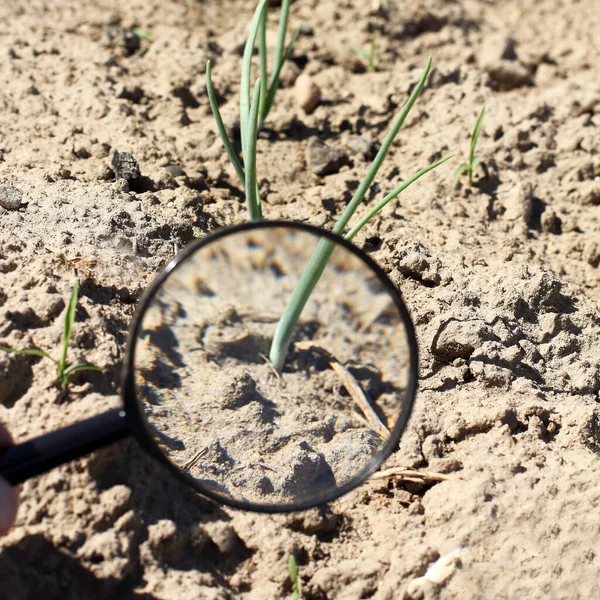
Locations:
column 358, row 144
column 174, row 170
column 308, row 94
column 125, row 166
column 10, row 197
column 323, row 159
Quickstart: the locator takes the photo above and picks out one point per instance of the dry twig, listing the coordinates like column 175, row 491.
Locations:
column 411, row 475
column 359, row 398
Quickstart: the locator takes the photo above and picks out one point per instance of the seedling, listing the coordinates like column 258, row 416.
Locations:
column 146, row 36
column 324, row 250
column 473, row 160
column 368, row 55
column 270, row 84
column 295, row 578
column 249, row 123
column 63, row 369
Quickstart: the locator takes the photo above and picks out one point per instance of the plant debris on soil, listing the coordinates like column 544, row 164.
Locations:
column 110, row 163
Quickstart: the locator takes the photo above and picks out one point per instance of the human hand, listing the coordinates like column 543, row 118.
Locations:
column 9, row 497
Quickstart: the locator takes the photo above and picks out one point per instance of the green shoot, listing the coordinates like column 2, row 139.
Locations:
column 282, row 53
column 325, row 248
column 250, row 118
column 269, row 87
column 368, row 55
column 471, row 165
column 146, row 36
column 221, row 127
column 248, row 124
column 252, row 196
column 257, row 19
column 295, row 579
column 63, row 369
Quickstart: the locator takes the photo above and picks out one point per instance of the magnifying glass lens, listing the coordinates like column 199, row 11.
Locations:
column 242, row 432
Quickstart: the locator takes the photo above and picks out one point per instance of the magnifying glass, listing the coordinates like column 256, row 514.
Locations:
column 200, row 395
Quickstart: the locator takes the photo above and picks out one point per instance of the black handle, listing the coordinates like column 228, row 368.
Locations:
column 41, row 454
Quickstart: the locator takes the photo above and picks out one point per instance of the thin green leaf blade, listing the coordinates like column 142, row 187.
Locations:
column 81, row 367
column 69, row 320
column 252, row 196
column 276, row 74
column 293, row 569
column 262, row 56
column 475, row 135
column 28, row 352
column 212, row 98
column 361, row 52
column 385, row 146
column 247, row 69
column 279, row 56
column 389, row 197
column 461, row 169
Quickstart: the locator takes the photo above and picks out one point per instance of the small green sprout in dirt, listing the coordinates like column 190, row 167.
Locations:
column 368, row 55
column 295, row 578
column 282, row 53
column 270, row 83
column 318, row 262
column 63, row 369
column 471, row 165
column 249, row 125
column 146, row 36
column 253, row 113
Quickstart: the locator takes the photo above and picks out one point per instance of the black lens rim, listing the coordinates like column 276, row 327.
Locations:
column 134, row 408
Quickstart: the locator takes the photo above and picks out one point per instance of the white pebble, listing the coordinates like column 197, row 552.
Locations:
column 308, row 94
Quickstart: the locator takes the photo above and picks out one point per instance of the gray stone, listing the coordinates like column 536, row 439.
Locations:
column 323, row 159
column 125, row 166
column 10, row 197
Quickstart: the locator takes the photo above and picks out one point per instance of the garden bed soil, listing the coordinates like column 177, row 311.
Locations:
column 501, row 280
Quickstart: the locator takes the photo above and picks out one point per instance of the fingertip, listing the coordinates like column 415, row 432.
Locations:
column 5, row 437
column 9, row 502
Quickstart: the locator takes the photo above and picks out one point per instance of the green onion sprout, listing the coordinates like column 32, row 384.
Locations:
column 368, row 55
column 324, row 250
column 473, row 160
column 63, row 369
column 253, row 110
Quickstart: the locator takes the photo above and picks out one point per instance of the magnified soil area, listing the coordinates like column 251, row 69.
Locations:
column 221, row 412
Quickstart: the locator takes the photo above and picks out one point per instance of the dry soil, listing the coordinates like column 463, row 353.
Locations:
column 501, row 279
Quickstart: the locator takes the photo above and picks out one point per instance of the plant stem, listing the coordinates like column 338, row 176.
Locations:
column 68, row 327
column 472, row 165
column 262, row 56
column 295, row 306
column 252, row 195
column 324, row 250
column 371, row 67
column 212, row 98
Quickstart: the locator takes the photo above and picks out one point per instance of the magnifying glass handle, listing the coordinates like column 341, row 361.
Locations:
column 19, row 463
